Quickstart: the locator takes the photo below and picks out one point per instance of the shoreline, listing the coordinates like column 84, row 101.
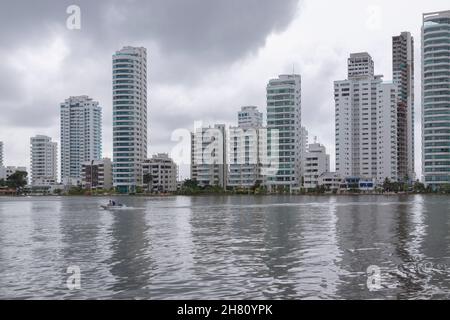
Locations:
column 221, row 195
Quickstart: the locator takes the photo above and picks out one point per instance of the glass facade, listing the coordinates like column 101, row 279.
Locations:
column 129, row 117
column 436, row 98
column 284, row 115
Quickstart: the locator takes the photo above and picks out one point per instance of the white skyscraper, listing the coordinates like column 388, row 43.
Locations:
column 366, row 123
column 403, row 76
column 436, row 98
column 246, row 149
column 81, row 136
column 43, row 161
column 284, row 116
column 129, row 117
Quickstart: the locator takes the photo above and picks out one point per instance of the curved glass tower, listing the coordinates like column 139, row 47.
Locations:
column 129, row 117
column 436, row 98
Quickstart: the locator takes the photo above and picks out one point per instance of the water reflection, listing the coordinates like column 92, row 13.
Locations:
column 277, row 247
column 130, row 263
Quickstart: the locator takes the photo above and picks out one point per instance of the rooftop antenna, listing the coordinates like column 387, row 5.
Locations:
column 315, row 139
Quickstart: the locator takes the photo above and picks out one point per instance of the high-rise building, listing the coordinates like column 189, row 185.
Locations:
column 43, row 161
column 403, row 77
column 1, row 154
column 129, row 117
column 284, row 117
column 436, row 98
column 317, row 162
column 303, row 150
column 366, row 123
column 209, row 156
column 247, row 149
column 160, row 173
column 81, row 136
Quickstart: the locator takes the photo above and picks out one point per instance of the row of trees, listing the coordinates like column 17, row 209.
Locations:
column 191, row 187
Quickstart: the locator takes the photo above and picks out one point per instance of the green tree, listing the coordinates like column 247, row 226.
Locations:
column 445, row 188
column 419, row 187
column 387, row 185
column 148, row 180
column 17, row 180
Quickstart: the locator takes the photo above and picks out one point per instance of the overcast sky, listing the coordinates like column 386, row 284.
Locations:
column 207, row 58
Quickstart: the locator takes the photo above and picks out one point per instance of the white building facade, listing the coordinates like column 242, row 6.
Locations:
column 81, row 136
column 317, row 162
column 129, row 117
column 247, row 149
column 284, row 116
column 160, row 173
column 43, row 161
column 366, row 123
column 209, row 156
column 330, row 180
column 436, row 98
column 250, row 117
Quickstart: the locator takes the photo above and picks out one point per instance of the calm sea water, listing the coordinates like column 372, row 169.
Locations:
column 227, row 248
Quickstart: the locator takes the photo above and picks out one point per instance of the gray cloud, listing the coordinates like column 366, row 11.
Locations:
column 188, row 41
column 212, row 31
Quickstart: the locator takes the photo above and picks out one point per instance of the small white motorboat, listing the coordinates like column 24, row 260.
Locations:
column 112, row 206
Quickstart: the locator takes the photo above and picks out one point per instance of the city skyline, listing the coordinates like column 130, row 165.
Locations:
column 194, row 103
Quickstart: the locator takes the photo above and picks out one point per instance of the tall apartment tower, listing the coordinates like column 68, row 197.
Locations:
column 366, row 123
column 436, row 98
column 43, row 161
column 284, row 116
column 81, row 136
column 403, row 76
column 209, row 156
column 1, row 154
column 129, row 117
column 246, row 144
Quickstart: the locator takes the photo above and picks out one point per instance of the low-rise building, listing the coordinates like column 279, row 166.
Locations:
column 317, row 162
column 330, row 180
column 160, row 174
column 357, row 183
column 97, row 174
